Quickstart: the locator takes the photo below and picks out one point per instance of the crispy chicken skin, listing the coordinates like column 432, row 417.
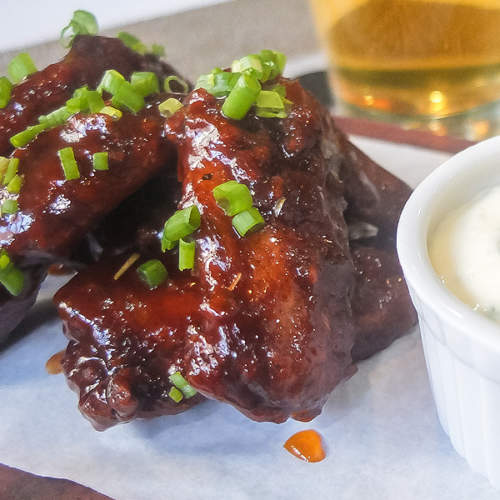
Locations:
column 258, row 323
column 46, row 90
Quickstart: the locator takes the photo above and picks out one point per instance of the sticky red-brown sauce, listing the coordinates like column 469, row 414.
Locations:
column 306, row 445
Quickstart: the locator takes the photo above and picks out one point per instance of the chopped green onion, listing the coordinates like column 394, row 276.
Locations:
column 270, row 105
column 68, row 163
column 20, row 67
column 186, row 254
column 179, row 81
column 11, row 277
column 153, row 273
column 280, row 90
column 175, row 395
column 14, row 186
column 218, row 83
column 181, row 224
column 274, row 61
column 110, row 81
column 22, row 138
column 145, row 83
column 169, row 107
column 82, row 23
column 116, row 114
column 249, row 220
column 5, row 91
column 56, row 117
column 4, row 163
column 11, row 170
column 10, row 207
column 181, row 383
column 94, row 101
column 233, row 197
column 251, row 64
column 242, row 97
column 126, row 96
column 100, row 161
column 132, row 42
column 167, row 244
column 74, row 105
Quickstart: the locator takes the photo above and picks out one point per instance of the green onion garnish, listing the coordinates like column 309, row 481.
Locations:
column 186, row 254
column 233, row 197
column 68, row 163
column 56, row 117
column 153, row 273
column 110, row 81
column 175, row 394
column 270, row 105
column 132, row 42
column 10, row 276
column 218, row 83
column 10, row 207
column 181, row 383
column 14, row 186
column 181, row 224
column 82, row 23
column 11, row 170
column 94, row 101
column 116, row 114
column 27, row 135
column 100, row 161
column 126, row 96
column 251, row 64
column 5, row 91
column 169, row 107
column 179, row 81
column 20, row 67
column 145, row 83
column 248, row 221
column 242, row 97
column 157, row 50
column 4, row 163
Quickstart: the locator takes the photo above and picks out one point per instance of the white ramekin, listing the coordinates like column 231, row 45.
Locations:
column 462, row 348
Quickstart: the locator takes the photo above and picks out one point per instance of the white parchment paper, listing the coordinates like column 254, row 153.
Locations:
column 380, row 428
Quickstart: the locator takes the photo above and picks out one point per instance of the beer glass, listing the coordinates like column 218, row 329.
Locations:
column 413, row 58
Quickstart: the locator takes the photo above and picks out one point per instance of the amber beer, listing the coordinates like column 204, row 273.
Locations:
column 413, row 57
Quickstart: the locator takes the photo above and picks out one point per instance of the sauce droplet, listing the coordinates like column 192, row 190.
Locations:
column 54, row 363
column 306, row 445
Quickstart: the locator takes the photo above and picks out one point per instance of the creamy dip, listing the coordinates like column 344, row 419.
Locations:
column 465, row 252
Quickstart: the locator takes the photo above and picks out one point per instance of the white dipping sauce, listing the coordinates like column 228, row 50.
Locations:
column 465, row 252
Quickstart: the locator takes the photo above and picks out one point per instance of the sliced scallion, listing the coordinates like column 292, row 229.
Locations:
column 5, row 91
column 82, row 23
column 179, row 81
column 181, row 383
column 116, row 114
column 56, row 117
column 27, row 135
column 153, row 273
column 132, row 42
column 14, row 186
column 175, row 394
column 248, row 221
column 181, row 224
column 157, row 50
column 20, row 67
column 145, row 83
column 110, row 81
column 4, row 163
column 126, row 96
column 100, row 161
column 68, row 163
column 251, row 64
column 270, row 105
column 242, row 97
column 186, row 254
column 11, row 277
column 170, row 106
column 94, row 101
column 218, row 83
column 232, row 197
column 11, row 170
column 10, row 207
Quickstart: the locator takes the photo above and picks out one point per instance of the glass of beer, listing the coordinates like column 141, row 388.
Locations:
column 412, row 58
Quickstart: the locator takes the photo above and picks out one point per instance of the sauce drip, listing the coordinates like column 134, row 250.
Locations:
column 54, row 363
column 306, row 445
